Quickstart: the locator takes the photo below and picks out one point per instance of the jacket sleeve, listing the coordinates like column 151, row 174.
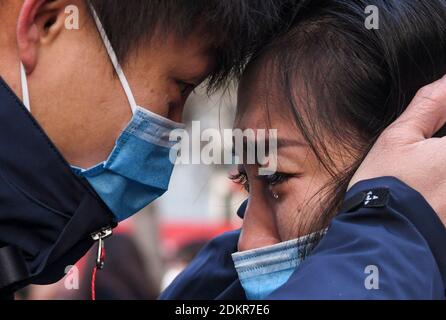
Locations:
column 386, row 243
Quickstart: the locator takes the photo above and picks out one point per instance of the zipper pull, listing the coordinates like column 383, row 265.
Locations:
column 100, row 236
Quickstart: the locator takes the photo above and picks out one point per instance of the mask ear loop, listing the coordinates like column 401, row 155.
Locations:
column 114, row 60
column 25, row 91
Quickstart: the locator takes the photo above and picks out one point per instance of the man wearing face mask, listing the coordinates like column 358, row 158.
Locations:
column 86, row 114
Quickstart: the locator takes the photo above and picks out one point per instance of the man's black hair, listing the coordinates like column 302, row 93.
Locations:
column 235, row 28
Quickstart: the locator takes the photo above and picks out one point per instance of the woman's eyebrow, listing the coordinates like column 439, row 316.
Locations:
column 281, row 143
column 284, row 143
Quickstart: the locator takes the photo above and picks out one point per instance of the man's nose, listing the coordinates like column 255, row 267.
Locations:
column 259, row 227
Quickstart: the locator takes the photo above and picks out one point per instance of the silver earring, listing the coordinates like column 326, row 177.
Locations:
column 276, row 195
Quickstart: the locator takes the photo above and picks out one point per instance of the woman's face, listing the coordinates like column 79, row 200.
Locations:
column 283, row 205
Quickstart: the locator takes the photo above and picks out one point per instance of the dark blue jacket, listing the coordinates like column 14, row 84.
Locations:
column 47, row 213
column 386, row 243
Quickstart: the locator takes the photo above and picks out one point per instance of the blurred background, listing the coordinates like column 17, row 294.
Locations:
column 148, row 251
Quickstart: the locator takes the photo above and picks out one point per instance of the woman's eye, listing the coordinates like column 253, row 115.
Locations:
column 276, row 178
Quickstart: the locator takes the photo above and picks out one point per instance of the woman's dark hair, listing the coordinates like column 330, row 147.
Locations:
column 235, row 28
column 346, row 83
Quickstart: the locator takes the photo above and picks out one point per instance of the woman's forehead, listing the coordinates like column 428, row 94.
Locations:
column 261, row 103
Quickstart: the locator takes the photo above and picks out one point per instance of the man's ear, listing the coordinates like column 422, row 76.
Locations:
column 39, row 22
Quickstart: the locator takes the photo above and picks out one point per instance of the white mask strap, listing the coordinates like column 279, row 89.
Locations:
column 25, row 91
column 114, row 60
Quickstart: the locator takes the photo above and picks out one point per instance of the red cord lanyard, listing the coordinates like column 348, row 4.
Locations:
column 99, row 236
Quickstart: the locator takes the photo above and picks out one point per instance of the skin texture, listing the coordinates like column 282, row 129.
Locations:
column 74, row 92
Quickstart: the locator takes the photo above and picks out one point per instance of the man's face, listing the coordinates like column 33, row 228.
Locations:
column 78, row 99
column 165, row 72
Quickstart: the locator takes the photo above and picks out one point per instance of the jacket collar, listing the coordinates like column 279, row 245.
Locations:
column 47, row 213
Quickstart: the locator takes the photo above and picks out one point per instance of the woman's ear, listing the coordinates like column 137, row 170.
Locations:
column 39, row 23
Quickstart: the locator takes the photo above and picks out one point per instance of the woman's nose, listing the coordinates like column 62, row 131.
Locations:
column 259, row 228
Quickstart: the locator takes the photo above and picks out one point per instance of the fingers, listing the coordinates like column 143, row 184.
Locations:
column 425, row 115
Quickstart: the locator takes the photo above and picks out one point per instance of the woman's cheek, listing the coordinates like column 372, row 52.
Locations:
column 296, row 207
column 287, row 209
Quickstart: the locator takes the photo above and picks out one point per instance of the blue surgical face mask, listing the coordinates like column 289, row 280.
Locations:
column 139, row 168
column 264, row 270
